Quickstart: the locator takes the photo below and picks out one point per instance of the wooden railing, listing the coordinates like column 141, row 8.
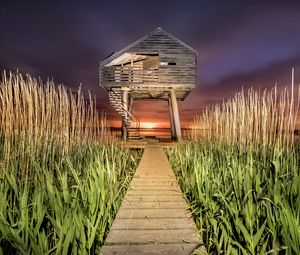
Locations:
column 129, row 74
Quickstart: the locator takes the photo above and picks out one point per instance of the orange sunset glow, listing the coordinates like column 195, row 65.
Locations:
column 149, row 125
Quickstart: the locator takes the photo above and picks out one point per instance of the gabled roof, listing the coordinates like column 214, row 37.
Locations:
column 156, row 31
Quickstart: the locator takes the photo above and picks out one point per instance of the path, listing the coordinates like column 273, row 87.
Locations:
column 153, row 217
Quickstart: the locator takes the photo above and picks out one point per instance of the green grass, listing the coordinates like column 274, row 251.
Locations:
column 240, row 172
column 65, row 207
column 243, row 202
column 62, row 174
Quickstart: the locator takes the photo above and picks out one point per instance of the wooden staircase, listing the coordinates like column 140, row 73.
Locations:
column 131, row 121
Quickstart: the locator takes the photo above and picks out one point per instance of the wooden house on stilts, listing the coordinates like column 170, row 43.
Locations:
column 156, row 67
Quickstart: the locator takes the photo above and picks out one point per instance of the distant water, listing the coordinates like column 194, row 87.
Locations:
column 153, row 132
column 166, row 132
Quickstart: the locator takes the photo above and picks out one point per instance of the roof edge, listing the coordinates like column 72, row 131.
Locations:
column 120, row 52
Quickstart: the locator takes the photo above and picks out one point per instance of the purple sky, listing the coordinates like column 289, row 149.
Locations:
column 240, row 43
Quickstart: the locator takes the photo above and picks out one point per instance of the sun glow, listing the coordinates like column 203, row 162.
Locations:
column 149, row 125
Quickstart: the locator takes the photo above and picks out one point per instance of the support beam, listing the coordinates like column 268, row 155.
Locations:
column 172, row 126
column 125, row 115
column 176, row 115
column 130, row 104
column 124, row 130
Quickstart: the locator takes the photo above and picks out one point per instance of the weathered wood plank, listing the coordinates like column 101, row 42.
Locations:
column 153, row 204
column 153, row 181
column 139, row 187
column 153, row 198
column 151, row 249
column 153, row 213
column 173, row 223
column 154, row 193
column 161, row 177
column 148, row 236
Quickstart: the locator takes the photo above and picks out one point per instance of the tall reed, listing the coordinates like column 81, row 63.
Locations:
column 243, row 202
column 62, row 173
column 45, row 110
column 240, row 171
column 254, row 118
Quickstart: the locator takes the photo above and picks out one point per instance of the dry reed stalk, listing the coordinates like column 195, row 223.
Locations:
column 38, row 113
column 254, row 119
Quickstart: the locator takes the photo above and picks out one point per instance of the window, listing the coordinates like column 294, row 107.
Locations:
column 168, row 63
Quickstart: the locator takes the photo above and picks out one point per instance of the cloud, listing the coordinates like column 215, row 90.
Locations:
column 278, row 73
column 240, row 43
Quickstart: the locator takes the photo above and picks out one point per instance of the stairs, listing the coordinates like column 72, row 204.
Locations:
column 131, row 122
column 133, row 133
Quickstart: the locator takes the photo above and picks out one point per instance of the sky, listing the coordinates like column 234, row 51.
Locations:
column 239, row 44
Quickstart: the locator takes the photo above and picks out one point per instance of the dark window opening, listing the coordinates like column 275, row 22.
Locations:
column 171, row 64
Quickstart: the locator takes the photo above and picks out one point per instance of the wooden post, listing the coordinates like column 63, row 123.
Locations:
column 172, row 126
column 176, row 115
column 130, row 104
column 125, row 114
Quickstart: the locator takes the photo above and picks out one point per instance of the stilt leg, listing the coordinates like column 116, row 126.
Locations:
column 176, row 115
column 130, row 104
column 125, row 115
column 172, row 126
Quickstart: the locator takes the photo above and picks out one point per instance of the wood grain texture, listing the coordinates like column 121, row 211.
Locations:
column 158, row 58
column 153, row 218
column 153, row 249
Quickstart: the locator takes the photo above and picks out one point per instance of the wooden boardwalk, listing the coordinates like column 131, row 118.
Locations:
column 153, row 217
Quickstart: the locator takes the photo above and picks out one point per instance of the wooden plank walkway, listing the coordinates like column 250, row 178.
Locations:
column 153, row 217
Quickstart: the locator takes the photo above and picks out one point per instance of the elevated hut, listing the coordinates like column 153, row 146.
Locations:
column 156, row 67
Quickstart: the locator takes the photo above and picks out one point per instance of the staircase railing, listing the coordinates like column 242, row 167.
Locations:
column 120, row 108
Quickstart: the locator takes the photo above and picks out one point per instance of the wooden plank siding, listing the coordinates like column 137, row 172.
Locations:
column 165, row 60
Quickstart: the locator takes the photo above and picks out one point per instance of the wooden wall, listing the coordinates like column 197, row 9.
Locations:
column 176, row 64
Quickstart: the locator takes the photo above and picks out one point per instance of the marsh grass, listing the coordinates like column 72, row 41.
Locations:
column 62, row 173
column 255, row 118
column 242, row 174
